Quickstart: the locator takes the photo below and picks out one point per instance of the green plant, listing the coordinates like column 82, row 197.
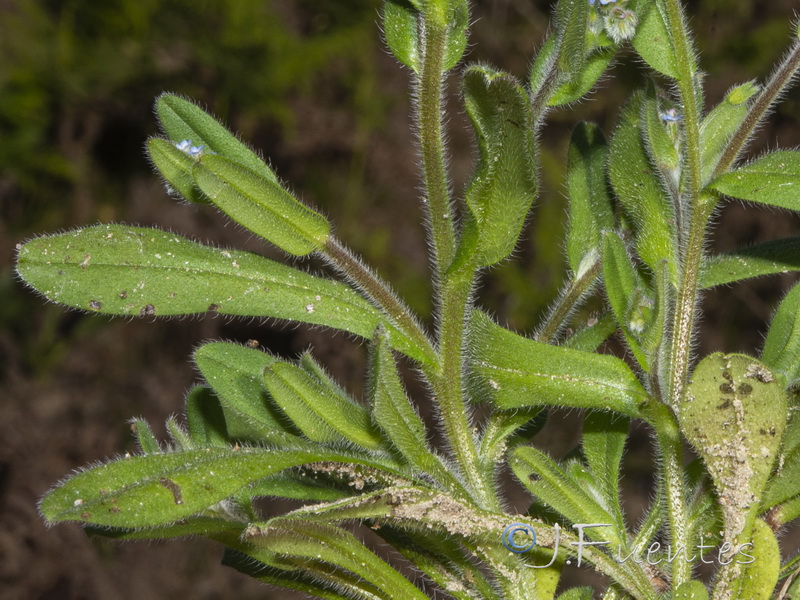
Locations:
column 640, row 212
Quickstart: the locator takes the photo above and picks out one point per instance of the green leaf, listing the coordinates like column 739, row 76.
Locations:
column 777, row 256
column 590, row 208
column 785, row 482
column 121, row 270
column 640, row 191
column 781, row 351
column 300, row 485
column 401, row 31
column 156, row 489
column 604, row 437
column 522, row 372
column 578, row 593
column 210, row 527
column 571, row 25
column 582, row 83
column 550, row 484
column 261, row 205
column 595, row 332
column 395, row 415
column 721, row 123
column 654, row 43
column 181, row 440
column 320, row 411
column 625, row 290
column 176, row 168
column 504, row 184
column 691, row 590
column 760, row 576
column 503, row 424
column 457, row 28
column 318, row 542
column 773, row 179
column 183, row 120
column 145, row 438
column 236, row 374
column 205, row 418
column 661, row 146
column 734, row 415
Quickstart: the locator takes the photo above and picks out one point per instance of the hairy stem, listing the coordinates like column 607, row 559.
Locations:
column 781, row 78
column 380, row 293
column 567, row 302
column 431, row 141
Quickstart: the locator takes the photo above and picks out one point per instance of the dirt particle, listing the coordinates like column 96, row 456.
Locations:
column 115, row 509
column 213, row 308
column 172, row 487
column 95, row 305
column 745, row 389
column 252, row 344
column 725, row 404
column 86, row 516
column 759, row 373
column 726, row 388
column 148, row 310
column 123, row 294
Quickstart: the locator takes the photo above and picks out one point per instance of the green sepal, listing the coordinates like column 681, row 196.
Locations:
column 549, row 483
column 516, row 371
column 181, row 440
column 320, row 411
column 640, row 191
column 457, row 29
column 734, row 415
column 626, row 294
column 135, row 271
column 781, row 351
column 261, row 205
column 145, row 439
column 721, row 123
column 661, row 146
column 768, row 258
column 235, row 373
column 157, row 489
column 773, row 179
column 504, row 184
column 318, row 542
column 401, row 32
column 205, row 418
column 691, row 590
column 590, row 208
column 299, row 485
column 653, row 41
column 176, row 168
column 183, row 120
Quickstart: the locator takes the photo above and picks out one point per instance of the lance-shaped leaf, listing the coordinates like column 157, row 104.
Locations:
column 578, row 593
column 590, row 209
column 768, row 258
column 653, row 41
column 551, row 485
column 457, row 28
column 236, row 374
column 691, row 590
column 401, row 32
column 205, row 419
column 582, row 83
column 625, row 290
column 261, row 205
column 318, row 542
column 315, row 579
column 639, row 189
column 134, row 271
column 661, row 146
column 773, row 179
column 504, row 185
column 320, row 411
column 145, row 438
column 781, row 351
column 176, row 167
column 300, row 485
column 721, row 123
column 518, row 371
column 183, row 120
column 395, row 415
column 754, row 569
column 604, row 436
column 785, row 482
column 734, row 415
column 571, row 24
column 216, row 528
column 157, row 489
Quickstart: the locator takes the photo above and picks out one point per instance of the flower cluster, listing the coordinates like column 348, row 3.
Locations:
column 191, row 150
column 617, row 21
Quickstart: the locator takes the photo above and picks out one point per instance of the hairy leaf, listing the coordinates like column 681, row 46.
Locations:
column 773, row 179
column 205, row 418
column 653, row 41
column 400, row 29
column 781, row 351
column 176, row 167
column 777, row 256
column 691, row 590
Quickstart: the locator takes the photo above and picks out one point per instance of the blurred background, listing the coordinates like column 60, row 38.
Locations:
column 310, row 85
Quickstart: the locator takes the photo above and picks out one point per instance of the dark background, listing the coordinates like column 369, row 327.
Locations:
column 310, row 85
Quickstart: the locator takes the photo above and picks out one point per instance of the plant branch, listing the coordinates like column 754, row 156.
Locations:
column 568, row 301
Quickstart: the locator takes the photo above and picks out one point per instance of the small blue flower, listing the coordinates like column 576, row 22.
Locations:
column 187, row 147
column 603, row 2
column 184, row 145
column 671, row 115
